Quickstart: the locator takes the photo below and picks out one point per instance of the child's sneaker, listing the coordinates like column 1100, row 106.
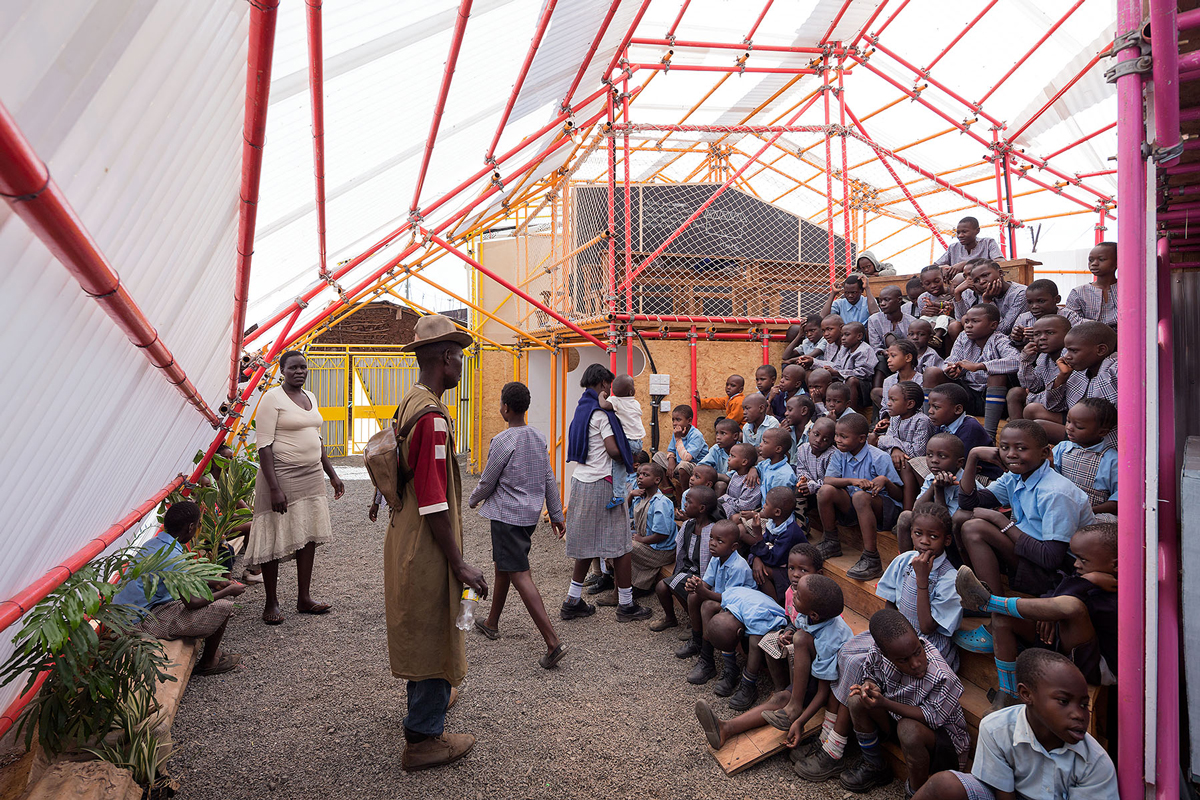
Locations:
column 729, row 682
column 869, row 567
column 819, row 766
column 573, row 609
column 745, row 696
column 863, row 776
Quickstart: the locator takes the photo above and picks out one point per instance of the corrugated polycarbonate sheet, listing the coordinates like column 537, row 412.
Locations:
column 136, row 107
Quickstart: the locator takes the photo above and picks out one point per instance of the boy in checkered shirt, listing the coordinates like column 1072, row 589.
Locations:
column 1087, row 368
column 1098, row 301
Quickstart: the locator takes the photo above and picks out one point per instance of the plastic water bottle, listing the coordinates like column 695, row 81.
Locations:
column 466, row 616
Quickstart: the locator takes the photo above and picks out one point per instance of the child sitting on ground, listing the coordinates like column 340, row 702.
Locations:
column 758, row 421
column 726, row 569
column 1087, row 368
column 801, row 411
column 731, row 403
column 743, row 612
column 1078, row 618
column 1040, row 748
column 982, row 361
column 517, row 482
column 791, row 383
column 625, row 405
column 944, row 457
column 861, row 488
column 692, row 553
column 920, row 332
column 837, row 402
column 161, row 617
column 1039, row 363
column 920, row 582
column 1088, row 457
column 1042, row 298
column 770, row 535
column 773, row 467
column 654, row 529
column 729, row 433
column 903, row 433
column 1097, row 301
column 812, row 462
column 740, row 495
column 1047, row 509
column 902, row 357
column 892, row 682
column 687, row 442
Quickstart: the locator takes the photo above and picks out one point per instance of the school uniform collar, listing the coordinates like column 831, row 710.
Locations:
column 814, row 629
column 938, row 563
column 1098, row 447
column 856, row 458
column 954, row 426
column 1023, row 733
column 1036, row 477
column 780, row 528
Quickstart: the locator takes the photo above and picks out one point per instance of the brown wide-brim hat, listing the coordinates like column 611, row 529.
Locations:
column 434, row 328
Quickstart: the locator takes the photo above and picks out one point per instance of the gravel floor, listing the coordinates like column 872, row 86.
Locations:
column 313, row 712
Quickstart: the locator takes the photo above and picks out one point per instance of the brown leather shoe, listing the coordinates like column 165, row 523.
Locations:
column 436, row 751
column 453, row 698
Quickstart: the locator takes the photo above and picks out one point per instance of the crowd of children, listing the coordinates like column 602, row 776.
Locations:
column 872, row 421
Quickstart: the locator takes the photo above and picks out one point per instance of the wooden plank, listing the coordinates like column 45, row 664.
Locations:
column 747, row 749
column 183, row 654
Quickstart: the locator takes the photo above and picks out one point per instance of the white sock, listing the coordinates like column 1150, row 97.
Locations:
column 576, row 591
column 835, row 745
column 604, row 567
column 827, row 725
column 625, row 596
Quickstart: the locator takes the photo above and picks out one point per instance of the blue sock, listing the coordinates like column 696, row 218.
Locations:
column 872, row 752
column 730, row 661
column 1003, row 605
column 1007, row 672
column 994, row 405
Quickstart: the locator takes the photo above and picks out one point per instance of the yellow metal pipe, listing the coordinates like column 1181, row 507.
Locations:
column 461, row 327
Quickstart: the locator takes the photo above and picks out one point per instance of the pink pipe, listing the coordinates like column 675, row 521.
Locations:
column 780, row 322
column 731, row 69
column 1166, row 773
column 628, row 224
column 741, row 46
column 611, row 285
column 1131, row 439
column 316, row 89
column 828, row 173
column 691, row 335
column 543, row 23
column 456, row 39
column 1190, row 114
column 1188, row 20
column 845, row 162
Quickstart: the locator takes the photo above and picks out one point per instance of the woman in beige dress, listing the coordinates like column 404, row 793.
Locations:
column 291, row 512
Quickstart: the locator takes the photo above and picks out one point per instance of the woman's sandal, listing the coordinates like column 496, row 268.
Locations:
column 551, row 659
column 491, row 633
column 315, row 608
column 275, row 619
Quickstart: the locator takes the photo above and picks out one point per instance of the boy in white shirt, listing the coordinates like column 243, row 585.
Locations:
column 629, row 413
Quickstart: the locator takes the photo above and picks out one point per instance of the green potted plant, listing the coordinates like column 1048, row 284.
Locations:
column 227, row 500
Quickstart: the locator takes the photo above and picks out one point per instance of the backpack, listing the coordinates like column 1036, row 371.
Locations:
column 384, row 459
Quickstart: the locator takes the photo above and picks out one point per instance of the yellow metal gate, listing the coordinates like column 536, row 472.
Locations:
column 359, row 388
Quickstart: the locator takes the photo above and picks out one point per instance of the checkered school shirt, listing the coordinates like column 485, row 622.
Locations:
column 937, row 694
column 910, row 435
column 1011, row 304
column 812, row 466
column 956, row 253
column 1079, row 386
column 997, row 353
column 929, row 358
column 857, row 363
column 1035, row 374
column 879, row 326
column 517, row 480
column 1087, row 301
column 1026, row 318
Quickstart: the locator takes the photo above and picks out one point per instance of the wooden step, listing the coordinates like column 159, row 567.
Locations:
column 182, row 653
column 859, row 596
column 885, row 542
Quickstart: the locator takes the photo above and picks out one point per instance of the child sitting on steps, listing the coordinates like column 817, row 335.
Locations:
column 1088, row 457
column 770, row 537
column 903, row 432
column 744, row 611
column 692, row 554
column 741, row 496
column 726, row 570
column 944, row 456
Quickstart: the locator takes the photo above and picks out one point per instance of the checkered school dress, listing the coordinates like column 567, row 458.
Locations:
column 174, row 620
column 1088, row 301
column 906, row 604
column 910, row 435
column 997, row 353
column 1081, row 465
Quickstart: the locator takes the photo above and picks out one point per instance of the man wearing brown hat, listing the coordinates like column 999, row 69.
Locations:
column 423, row 568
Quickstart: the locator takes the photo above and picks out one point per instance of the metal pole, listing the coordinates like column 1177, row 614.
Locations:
column 610, row 294
column 316, row 90
column 628, row 229
column 996, row 160
column 538, row 33
column 1164, row 47
column 825, row 87
column 692, row 353
column 841, row 93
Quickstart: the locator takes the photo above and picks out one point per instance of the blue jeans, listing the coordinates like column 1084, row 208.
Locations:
column 620, row 475
column 427, row 702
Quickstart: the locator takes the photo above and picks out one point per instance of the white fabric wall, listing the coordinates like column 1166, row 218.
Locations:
column 136, row 108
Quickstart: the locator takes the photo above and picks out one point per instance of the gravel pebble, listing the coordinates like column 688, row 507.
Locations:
column 313, row 712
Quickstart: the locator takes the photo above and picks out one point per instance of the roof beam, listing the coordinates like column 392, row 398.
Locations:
column 538, row 33
column 316, row 88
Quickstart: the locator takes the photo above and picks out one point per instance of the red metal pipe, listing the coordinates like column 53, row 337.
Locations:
column 766, row 340
column 721, row 336
column 1031, row 51
column 512, row 288
column 845, row 164
column 998, row 162
column 1077, row 142
column 661, row 318
column 825, row 87
column 903, row 187
column 694, row 388
column 696, row 214
column 1166, row 63
column 678, row 17
column 456, row 39
column 1016, row 153
column 1100, row 226
column 610, row 295
column 587, row 58
column 888, row 21
column 35, row 197
column 628, row 225
column 316, row 89
column 976, row 109
column 837, row 18
column 538, row 33
column 254, row 131
column 17, row 706
column 338, row 273
column 961, row 34
column 723, row 128
column 729, row 46
column 1095, row 60
column 736, row 70
column 622, row 50
column 867, row 25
